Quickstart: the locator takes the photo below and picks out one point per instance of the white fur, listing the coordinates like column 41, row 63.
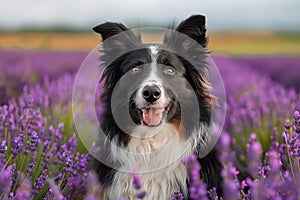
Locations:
column 154, row 52
column 157, row 154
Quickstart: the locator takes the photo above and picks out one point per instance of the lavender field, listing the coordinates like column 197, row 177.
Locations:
column 41, row 157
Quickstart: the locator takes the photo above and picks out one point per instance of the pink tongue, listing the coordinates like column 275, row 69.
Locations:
column 152, row 116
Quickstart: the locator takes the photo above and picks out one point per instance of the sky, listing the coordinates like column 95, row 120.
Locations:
column 244, row 15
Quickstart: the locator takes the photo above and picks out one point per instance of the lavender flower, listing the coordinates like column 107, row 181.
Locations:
column 197, row 189
column 212, row 193
column 141, row 195
column 20, row 67
column 72, row 143
column 254, row 151
column 93, row 186
column 92, row 197
column 17, row 143
column 177, row 196
column 31, row 164
column 274, row 139
column 6, row 180
column 59, row 131
column 3, row 148
column 24, row 188
column 39, row 141
column 38, row 151
column 297, row 121
column 230, row 182
column 258, row 189
column 39, row 183
column 54, row 191
column 137, row 183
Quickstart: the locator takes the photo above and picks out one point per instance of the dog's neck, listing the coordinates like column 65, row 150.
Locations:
column 161, row 145
column 156, row 152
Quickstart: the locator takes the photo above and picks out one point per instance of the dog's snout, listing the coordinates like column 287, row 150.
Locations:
column 151, row 93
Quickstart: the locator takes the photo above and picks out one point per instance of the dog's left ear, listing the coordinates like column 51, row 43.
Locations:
column 116, row 36
column 193, row 27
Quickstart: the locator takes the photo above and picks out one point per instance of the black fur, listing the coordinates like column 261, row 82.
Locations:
column 195, row 73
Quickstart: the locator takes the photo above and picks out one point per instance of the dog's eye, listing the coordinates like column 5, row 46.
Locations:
column 135, row 70
column 169, row 71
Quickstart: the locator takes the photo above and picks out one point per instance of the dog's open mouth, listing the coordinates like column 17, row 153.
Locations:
column 153, row 116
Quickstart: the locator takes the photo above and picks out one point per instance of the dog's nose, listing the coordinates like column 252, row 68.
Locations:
column 151, row 93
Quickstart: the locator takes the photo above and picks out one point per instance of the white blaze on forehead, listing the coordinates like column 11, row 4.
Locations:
column 154, row 52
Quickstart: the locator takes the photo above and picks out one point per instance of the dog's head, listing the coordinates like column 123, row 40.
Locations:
column 153, row 79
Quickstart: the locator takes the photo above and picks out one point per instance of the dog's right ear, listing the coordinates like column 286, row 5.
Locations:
column 116, row 36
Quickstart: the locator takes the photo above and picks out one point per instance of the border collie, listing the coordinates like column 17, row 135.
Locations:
column 150, row 121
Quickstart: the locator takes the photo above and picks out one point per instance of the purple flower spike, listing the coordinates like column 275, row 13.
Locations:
column 3, row 148
column 92, row 197
column 287, row 125
column 56, row 194
column 59, row 131
column 274, row 138
column 17, row 145
column 23, row 191
column 231, row 190
column 273, row 158
column 6, row 179
column 197, row 189
column 137, row 182
column 93, row 187
column 213, row 194
column 194, row 167
column 257, row 189
column 297, row 122
column 231, row 184
column 254, row 151
column 32, row 144
column 72, row 143
column 31, row 164
column 58, row 177
column 40, row 182
column 141, row 195
column 297, row 115
column 177, row 196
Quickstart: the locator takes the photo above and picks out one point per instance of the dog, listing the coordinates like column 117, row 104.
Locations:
column 156, row 111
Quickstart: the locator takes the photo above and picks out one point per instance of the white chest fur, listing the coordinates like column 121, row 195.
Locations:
column 157, row 155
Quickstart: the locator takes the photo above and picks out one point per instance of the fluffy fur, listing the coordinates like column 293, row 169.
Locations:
column 151, row 79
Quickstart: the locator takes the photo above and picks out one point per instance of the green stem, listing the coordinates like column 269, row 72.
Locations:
column 61, row 181
column 289, row 158
column 8, row 160
column 298, row 165
column 22, row 163
column 38, row 168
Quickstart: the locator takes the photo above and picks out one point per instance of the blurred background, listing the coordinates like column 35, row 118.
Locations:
column 234, row 26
